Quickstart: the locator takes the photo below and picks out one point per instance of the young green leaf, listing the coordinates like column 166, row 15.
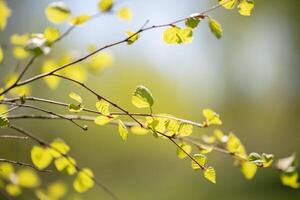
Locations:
column 201, row 160
column 228, row 4
column 79, row 20
column 142, row 97
column 125, row 14
column 28, row 178
column 210, row 174
column 84, row 180
column 59, row 147
column 192, row 22
column 51, row 34
column 187, row 148
column 75, row 97
column 212, row 118
column 5, row 13
column 3, row 122
column 41, row 157
column 21, row 40
column 105, row 5
column 176, row 35
column 57, row 12
column 248, row 169
column 132, row 37
column 103, row 120
column 215, row 28
column 246, row 7
column 103, row 107
column 290, row 179
column 75, row 108
column 123, row 130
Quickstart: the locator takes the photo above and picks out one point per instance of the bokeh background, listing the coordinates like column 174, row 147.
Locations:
column 250, row 76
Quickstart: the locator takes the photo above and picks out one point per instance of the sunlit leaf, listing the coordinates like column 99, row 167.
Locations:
column 290, row 179
column 75, row 97
column 21, row 40
column 28, row 178
column 20, row 53
column 5, row 13
column 176, row 35
column 75, row 108
column 248, row 169
column 105, row 5
column 210, row 174
column 62, row 163
column 220, row 136
column 103, row 107
column 100, row 61
column 142, row 97
column 51, row 34
column 137, row 130
column 41, row 157
column 201, row 160
column 123, row 130
column 3, row 122
column 132, row 37
column 187, row 148
column 6, row 169
column 13, row 190
column 125, row 14
column 212, row 118
column 228, row 4
column 79, row 20
column 57, row 12
column 51, row 81
column 103, row 120
column 268, row 159
column 83, row 181
column 185, row 129
column 59, row 147
column 57, row 190
column 215, row 28
column 192, row 22
column 234, row 145
column 246, row 7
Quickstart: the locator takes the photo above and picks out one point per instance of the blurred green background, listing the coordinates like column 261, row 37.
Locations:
column 250, row 77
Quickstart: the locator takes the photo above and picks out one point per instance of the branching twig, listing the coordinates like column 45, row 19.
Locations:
column 22, row 164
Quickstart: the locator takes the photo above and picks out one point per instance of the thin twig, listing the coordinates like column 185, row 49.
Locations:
column 22, row 164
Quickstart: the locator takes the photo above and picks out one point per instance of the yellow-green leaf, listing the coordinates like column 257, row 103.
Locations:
column 51, row 34
column 215, row 28
column 75, row 108
column 103, row 107
column 103, row 120
column 51, row 81
column 142, row 97
column 187, row 148
column 5, row 13
column 100, row 61
column 212, row 118
column 3, row 122
column 84, row 180
column 59, row 147
column 57, row 190
column 248, row 169
column 41, row 157
column 75, row 97
column 290, row 179
column 185, row 129
column 20, row 53
column 210, row 174
column 79, row 20
column 228, row 4
column 132, row 37
column 105, row 5
column 235, row 146
column 6, row 170
column 201, row 160
column 62, row 163
column 123, row 130
column 21, row 40
column 57, row 12
column 137, row 130
column 125, row 14
column 13, row 190
column 175, row 35
column 246, row 7
column 192, row 22
column 28, row 178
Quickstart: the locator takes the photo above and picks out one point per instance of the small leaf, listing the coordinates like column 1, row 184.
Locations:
column 13, row 190
column 248, row 169
column 180, row 153
column 212, row 118
column 132, row 37
column 105, row 5
column 103, row 120
column 125, row 14
column 57, row 12
column 41, row 157
column 228, row 4
column 62, row 163
column 59, row 147
column 51, row 81
column 268, row 159
column 201, row 160
column 123, row 130
column 215, row 28
column 210, row 174
column 290, row 179
column 142, row 97
column 185, row 129
column 21, row 40
column 3, row 122
column 175, row 35
column 100, row 61
column 5, row 13
column 79, row 20
column 192, row 22
column 246, row 7
column 235, row 146
column 20, row 53
column 75, row 108
column 103, row 107
column 28, row 178
column 51, row 34
column 137, row 130
column 75, row 97
column 84, row 180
